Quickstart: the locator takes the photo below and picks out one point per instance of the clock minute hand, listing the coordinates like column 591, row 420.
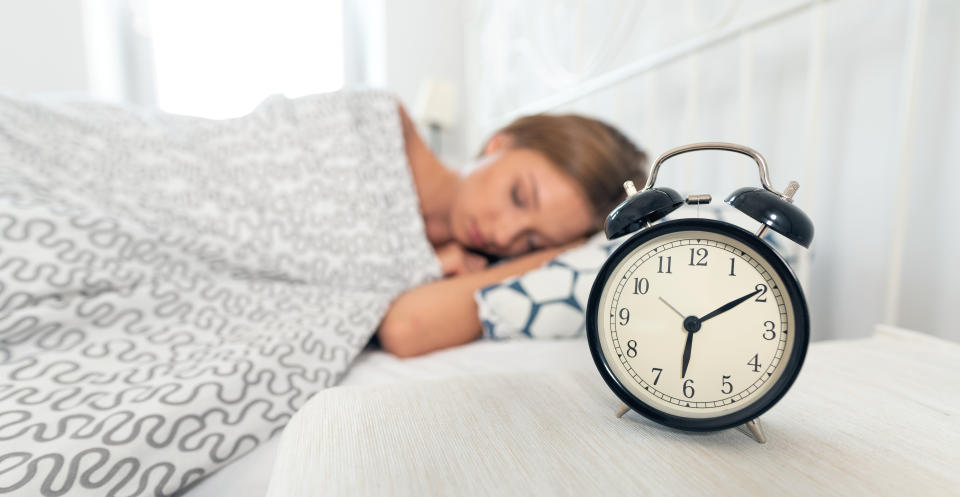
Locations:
column 730, row 305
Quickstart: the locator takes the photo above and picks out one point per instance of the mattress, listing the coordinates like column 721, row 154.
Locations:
column 250, row 475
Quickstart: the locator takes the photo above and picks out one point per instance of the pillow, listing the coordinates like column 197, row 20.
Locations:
column 550, row 301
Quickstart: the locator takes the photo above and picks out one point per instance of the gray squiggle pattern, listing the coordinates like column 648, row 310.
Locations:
column 172, row 289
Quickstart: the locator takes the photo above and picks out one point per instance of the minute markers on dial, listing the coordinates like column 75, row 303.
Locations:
column 716, row 392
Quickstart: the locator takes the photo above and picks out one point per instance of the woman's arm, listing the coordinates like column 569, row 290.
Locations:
column 443, row 313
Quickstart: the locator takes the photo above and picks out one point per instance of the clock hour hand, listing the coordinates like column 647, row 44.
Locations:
column 730, row 305
column 686, row 354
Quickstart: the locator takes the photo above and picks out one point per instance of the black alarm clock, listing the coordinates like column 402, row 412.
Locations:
column 699, row 324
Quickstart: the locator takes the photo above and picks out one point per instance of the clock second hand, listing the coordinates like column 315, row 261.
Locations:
column 674, row 309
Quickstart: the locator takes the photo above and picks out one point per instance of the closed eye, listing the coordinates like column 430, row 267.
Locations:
column 515, row 195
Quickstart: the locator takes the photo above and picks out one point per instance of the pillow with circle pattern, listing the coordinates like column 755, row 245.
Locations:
column 549, row 301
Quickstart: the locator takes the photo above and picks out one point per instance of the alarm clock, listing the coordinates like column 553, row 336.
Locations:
column 698, row 324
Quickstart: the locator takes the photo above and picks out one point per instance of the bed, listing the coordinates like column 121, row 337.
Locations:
column 890, row 439
column 173, row 288
column 250, row 475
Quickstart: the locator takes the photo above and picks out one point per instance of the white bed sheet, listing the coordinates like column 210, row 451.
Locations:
column 249, row 476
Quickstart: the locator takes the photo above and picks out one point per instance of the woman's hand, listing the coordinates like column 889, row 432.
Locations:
column 456, row 261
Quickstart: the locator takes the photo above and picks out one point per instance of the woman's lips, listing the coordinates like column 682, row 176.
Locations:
column 475, row 235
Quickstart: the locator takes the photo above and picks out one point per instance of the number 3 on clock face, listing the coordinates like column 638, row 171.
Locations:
column 697, row 324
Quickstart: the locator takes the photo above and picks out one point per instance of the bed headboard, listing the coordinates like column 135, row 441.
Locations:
column 786, row 77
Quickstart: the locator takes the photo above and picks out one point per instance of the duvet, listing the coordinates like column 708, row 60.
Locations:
column 172, row 288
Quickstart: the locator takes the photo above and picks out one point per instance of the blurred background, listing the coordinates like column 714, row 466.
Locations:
column 856, row 99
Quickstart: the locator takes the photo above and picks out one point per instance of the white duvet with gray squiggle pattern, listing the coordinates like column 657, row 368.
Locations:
column 172, row 289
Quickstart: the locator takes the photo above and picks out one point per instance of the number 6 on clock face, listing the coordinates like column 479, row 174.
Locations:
column 697, row 324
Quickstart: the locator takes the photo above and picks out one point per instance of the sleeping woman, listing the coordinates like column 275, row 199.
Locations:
column 540, row 186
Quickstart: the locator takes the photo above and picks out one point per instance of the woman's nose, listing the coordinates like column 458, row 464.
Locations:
column 507, row 232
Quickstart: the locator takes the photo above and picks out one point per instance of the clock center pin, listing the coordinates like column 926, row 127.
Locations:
column 691, row 324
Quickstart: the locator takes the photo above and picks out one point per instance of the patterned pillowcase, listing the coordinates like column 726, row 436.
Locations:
column 550, row 301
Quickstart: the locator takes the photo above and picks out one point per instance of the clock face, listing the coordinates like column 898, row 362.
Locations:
column 697, row 324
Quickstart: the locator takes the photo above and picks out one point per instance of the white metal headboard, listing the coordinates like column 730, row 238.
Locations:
column 812, row 120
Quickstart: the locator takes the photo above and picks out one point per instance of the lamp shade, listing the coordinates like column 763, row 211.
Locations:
column 436, row 103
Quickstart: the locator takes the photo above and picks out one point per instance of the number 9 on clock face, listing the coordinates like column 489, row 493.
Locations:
column 697, row 324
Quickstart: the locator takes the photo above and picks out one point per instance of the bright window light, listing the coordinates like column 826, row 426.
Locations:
column 220, row 58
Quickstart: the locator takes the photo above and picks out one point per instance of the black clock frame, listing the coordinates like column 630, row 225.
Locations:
column 801, row 331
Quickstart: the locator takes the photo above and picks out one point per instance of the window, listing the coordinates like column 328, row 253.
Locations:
column 220, row 58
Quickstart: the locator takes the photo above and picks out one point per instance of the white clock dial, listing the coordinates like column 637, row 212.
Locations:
column 734, row 302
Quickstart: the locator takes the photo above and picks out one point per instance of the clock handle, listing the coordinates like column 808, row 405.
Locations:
column 729, row 147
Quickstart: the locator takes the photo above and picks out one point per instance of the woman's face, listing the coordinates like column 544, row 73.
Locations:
column 515, row 201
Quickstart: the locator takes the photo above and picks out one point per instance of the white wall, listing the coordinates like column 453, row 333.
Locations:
column 424, row 39
column 42, row 46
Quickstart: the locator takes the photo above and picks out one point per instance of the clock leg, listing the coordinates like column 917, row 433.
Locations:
column 754, row 430
column 622, row 410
